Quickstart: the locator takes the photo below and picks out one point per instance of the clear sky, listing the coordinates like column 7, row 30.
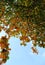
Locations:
column 20, row 55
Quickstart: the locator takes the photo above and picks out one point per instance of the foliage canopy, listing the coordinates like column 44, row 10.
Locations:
column 24, row 19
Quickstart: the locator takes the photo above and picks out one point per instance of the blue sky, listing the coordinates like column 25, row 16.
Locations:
column 20, row 55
